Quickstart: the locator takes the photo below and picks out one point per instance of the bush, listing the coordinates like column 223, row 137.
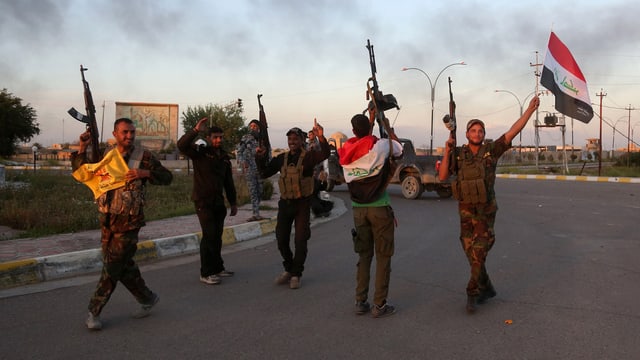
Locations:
column 267, row 190
column 630, row 159
column 243, row 190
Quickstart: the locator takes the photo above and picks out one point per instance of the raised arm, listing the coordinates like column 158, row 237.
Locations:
column 522, row 121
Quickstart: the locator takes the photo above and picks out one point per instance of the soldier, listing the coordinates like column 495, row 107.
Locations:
column 474, row 190
column 366, row 165
column 246, row 152
column 296, row 188
column 121, row 217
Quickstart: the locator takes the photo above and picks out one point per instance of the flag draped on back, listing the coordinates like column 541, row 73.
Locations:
column 562, row 76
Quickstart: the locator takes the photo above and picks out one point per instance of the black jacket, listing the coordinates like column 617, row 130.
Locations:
column 212, row 171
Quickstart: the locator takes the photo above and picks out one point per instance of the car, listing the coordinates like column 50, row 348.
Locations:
column 418, row 173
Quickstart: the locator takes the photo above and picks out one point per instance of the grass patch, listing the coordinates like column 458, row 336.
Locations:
column 556, row 169
column 52, row 202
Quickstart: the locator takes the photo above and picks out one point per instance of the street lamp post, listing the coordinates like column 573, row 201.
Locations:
column 35, row 152
column 432, row 85
column 613, row 139
column 521, row 104
column 632, row 141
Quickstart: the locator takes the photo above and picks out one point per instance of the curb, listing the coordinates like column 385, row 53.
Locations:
column 626, row 180
column 55, row 267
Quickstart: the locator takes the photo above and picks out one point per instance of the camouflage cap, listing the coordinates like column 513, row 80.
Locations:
column 473, row 122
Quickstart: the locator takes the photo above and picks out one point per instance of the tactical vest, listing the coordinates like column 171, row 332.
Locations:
column 292, row 184
column 474, row 172
column 129, row 199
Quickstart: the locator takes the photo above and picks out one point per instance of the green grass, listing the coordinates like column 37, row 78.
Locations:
column 556, row 169
column 52, row 202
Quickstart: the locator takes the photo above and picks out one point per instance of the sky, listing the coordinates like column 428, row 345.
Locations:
column 309, row 60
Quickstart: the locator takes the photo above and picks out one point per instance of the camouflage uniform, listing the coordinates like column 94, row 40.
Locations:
column 478, row 211
column 121, row 217
column 246, row 155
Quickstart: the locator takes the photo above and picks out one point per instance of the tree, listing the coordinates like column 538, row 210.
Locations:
column 17, row 123
column 228, row 117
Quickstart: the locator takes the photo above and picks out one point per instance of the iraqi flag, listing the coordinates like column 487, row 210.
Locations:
column 562, row 76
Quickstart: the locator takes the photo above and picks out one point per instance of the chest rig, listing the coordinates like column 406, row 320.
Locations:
column 129, row 199
column 474, row 171
column 292, row 184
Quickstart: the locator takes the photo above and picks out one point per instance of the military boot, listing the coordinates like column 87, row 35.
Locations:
column 487, row 291
column 486, row 294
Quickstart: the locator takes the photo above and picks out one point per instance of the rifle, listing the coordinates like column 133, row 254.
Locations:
column 263, row 129
column 379, row 102
column 89, row 119
column 450, row 123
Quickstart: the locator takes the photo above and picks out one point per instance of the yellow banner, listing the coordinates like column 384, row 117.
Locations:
column 106, row 175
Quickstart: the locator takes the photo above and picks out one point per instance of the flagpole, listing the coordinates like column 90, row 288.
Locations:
column 601, row 95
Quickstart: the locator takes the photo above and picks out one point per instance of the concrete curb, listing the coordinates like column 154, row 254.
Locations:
column 628, row 180
column 47, row 268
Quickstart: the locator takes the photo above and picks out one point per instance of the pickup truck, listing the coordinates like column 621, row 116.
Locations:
column 417, row 173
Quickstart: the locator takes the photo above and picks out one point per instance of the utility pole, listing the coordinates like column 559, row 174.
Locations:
column 629, row 135
column 601, row 95
column 537, row 75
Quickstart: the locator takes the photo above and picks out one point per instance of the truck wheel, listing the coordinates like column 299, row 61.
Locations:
column 411, row 187
column 330, row 185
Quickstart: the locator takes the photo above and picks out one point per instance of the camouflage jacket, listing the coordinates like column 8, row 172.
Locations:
column 128, row 200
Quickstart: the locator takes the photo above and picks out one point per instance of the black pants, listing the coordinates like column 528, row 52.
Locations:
column 211, row 217
column 289, row 212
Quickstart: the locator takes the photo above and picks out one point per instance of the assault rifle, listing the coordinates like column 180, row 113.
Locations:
column 264, row 140
column 379, row 102
column 89, row 119
column 450, row 123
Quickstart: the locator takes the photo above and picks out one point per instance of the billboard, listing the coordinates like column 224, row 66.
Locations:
column 156, row 124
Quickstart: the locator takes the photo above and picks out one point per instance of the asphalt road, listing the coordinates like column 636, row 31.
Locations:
column 564, row 265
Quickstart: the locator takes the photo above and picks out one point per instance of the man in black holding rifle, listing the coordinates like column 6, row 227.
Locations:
column 296, row 188
column 474, row 189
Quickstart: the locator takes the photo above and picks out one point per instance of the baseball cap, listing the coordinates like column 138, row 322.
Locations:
column 473, row 122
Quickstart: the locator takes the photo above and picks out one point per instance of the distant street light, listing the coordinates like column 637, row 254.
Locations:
column 35, row 151
column 632, row 141
column 613, row 140
column 521, row 104
column 433, row 94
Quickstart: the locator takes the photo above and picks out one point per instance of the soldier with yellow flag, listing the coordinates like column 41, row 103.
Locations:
column 118, row 183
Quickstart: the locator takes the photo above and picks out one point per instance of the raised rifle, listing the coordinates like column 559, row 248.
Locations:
column 264, row 139
column 450, row 123
column 89, row 120
column 378, row 101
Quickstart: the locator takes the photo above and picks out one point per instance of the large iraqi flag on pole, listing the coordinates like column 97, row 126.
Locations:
column 562, row 76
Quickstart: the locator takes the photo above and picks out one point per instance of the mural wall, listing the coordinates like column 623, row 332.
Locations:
column 156, row 124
